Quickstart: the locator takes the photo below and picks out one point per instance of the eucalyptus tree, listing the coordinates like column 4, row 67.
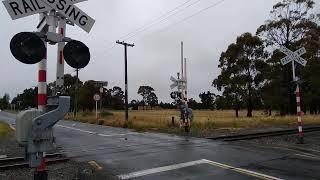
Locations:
column 241, row 77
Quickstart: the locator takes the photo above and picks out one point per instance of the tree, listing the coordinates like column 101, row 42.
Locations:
column 85, row 96
column 148, row 95
column 241, row 71
column 193, row 104
column 117, row 98
column 310, row 74
column 134, row 104
column 207, row 99
column 152, row 99
column 287, row 25
column 221, row 103
column 69, row 88
column 26, row 99
column 4, row 101
column 167, row 105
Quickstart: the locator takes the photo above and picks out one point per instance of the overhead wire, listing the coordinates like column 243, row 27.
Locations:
column 189, row 17
column 156, row 21
column 180, row 21
column 162, row 20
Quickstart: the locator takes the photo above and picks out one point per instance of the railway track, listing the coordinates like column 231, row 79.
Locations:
column 250, row 136
column 20, row 162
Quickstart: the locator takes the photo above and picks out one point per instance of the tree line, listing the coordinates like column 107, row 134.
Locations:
column 112, row 98
column 252, row 76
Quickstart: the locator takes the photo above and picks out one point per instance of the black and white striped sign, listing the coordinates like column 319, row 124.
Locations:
column 23, row 8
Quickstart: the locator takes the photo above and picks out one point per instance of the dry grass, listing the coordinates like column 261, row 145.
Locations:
column 5, row 130
column 203, row 120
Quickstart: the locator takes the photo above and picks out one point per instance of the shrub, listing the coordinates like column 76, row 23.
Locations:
column 106, row 113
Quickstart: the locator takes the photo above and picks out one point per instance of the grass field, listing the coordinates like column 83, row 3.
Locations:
column 204, row 121
column 5, row 130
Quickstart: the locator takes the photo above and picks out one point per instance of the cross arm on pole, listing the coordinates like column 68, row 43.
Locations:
column 125, row 44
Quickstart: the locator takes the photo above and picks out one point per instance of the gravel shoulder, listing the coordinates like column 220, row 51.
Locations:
column 70, row 170
column 311, row 145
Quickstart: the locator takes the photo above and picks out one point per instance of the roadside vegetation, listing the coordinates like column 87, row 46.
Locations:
column 205, row 121
column 5, row 130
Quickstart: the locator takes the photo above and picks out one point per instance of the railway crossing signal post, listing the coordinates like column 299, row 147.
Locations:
column 126, row 75
column 181, row 96
column 34, row 126
column 295, row 57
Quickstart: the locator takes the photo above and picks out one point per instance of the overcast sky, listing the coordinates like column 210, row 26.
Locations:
column 156, row 55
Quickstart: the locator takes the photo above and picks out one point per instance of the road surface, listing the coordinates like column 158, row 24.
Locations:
column 132, row 155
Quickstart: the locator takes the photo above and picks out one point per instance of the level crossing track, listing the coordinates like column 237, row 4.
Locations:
column 20, row 162
column 249, row 136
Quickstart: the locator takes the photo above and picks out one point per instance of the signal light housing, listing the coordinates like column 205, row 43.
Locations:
column 28, row 48
column 173, row 95
column 76, row 54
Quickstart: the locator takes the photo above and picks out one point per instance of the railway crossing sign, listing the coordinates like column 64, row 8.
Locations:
column 177, row 83
column 22, row 8
column 29, row 48
column 293, row 56
column 72, row 13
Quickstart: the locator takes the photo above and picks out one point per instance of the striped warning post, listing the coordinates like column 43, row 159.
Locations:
column 42, row 84
column 60, row 62
column 42, row 80
column 298, row 100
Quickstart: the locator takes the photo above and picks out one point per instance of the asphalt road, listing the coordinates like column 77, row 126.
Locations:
column 132, row 155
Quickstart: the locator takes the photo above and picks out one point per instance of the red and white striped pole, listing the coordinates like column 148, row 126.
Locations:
column 300, row 130
column 42, row 79
column 60, row 62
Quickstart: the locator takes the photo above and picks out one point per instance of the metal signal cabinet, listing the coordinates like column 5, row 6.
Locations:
column 24, row 125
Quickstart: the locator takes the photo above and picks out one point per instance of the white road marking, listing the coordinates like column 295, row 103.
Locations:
column 193, row 163
column 99, row 134
column 308, row 156
column 112, row 135
column 240, row 170
column 159, row 169
column 76, row 129
column 13, row 128
column 3, row 156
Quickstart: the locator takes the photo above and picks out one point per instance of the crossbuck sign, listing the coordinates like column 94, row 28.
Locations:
column 293, row 56
column 180, row 83
column 22, row 8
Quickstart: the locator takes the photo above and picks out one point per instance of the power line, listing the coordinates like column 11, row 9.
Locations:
column 162, row 20
column 182, row 20
column 191, row 16
column 156, row 21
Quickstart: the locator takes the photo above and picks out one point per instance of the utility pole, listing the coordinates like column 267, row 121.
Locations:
column 185, row 76
column 182, row 56
column 126, row 73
